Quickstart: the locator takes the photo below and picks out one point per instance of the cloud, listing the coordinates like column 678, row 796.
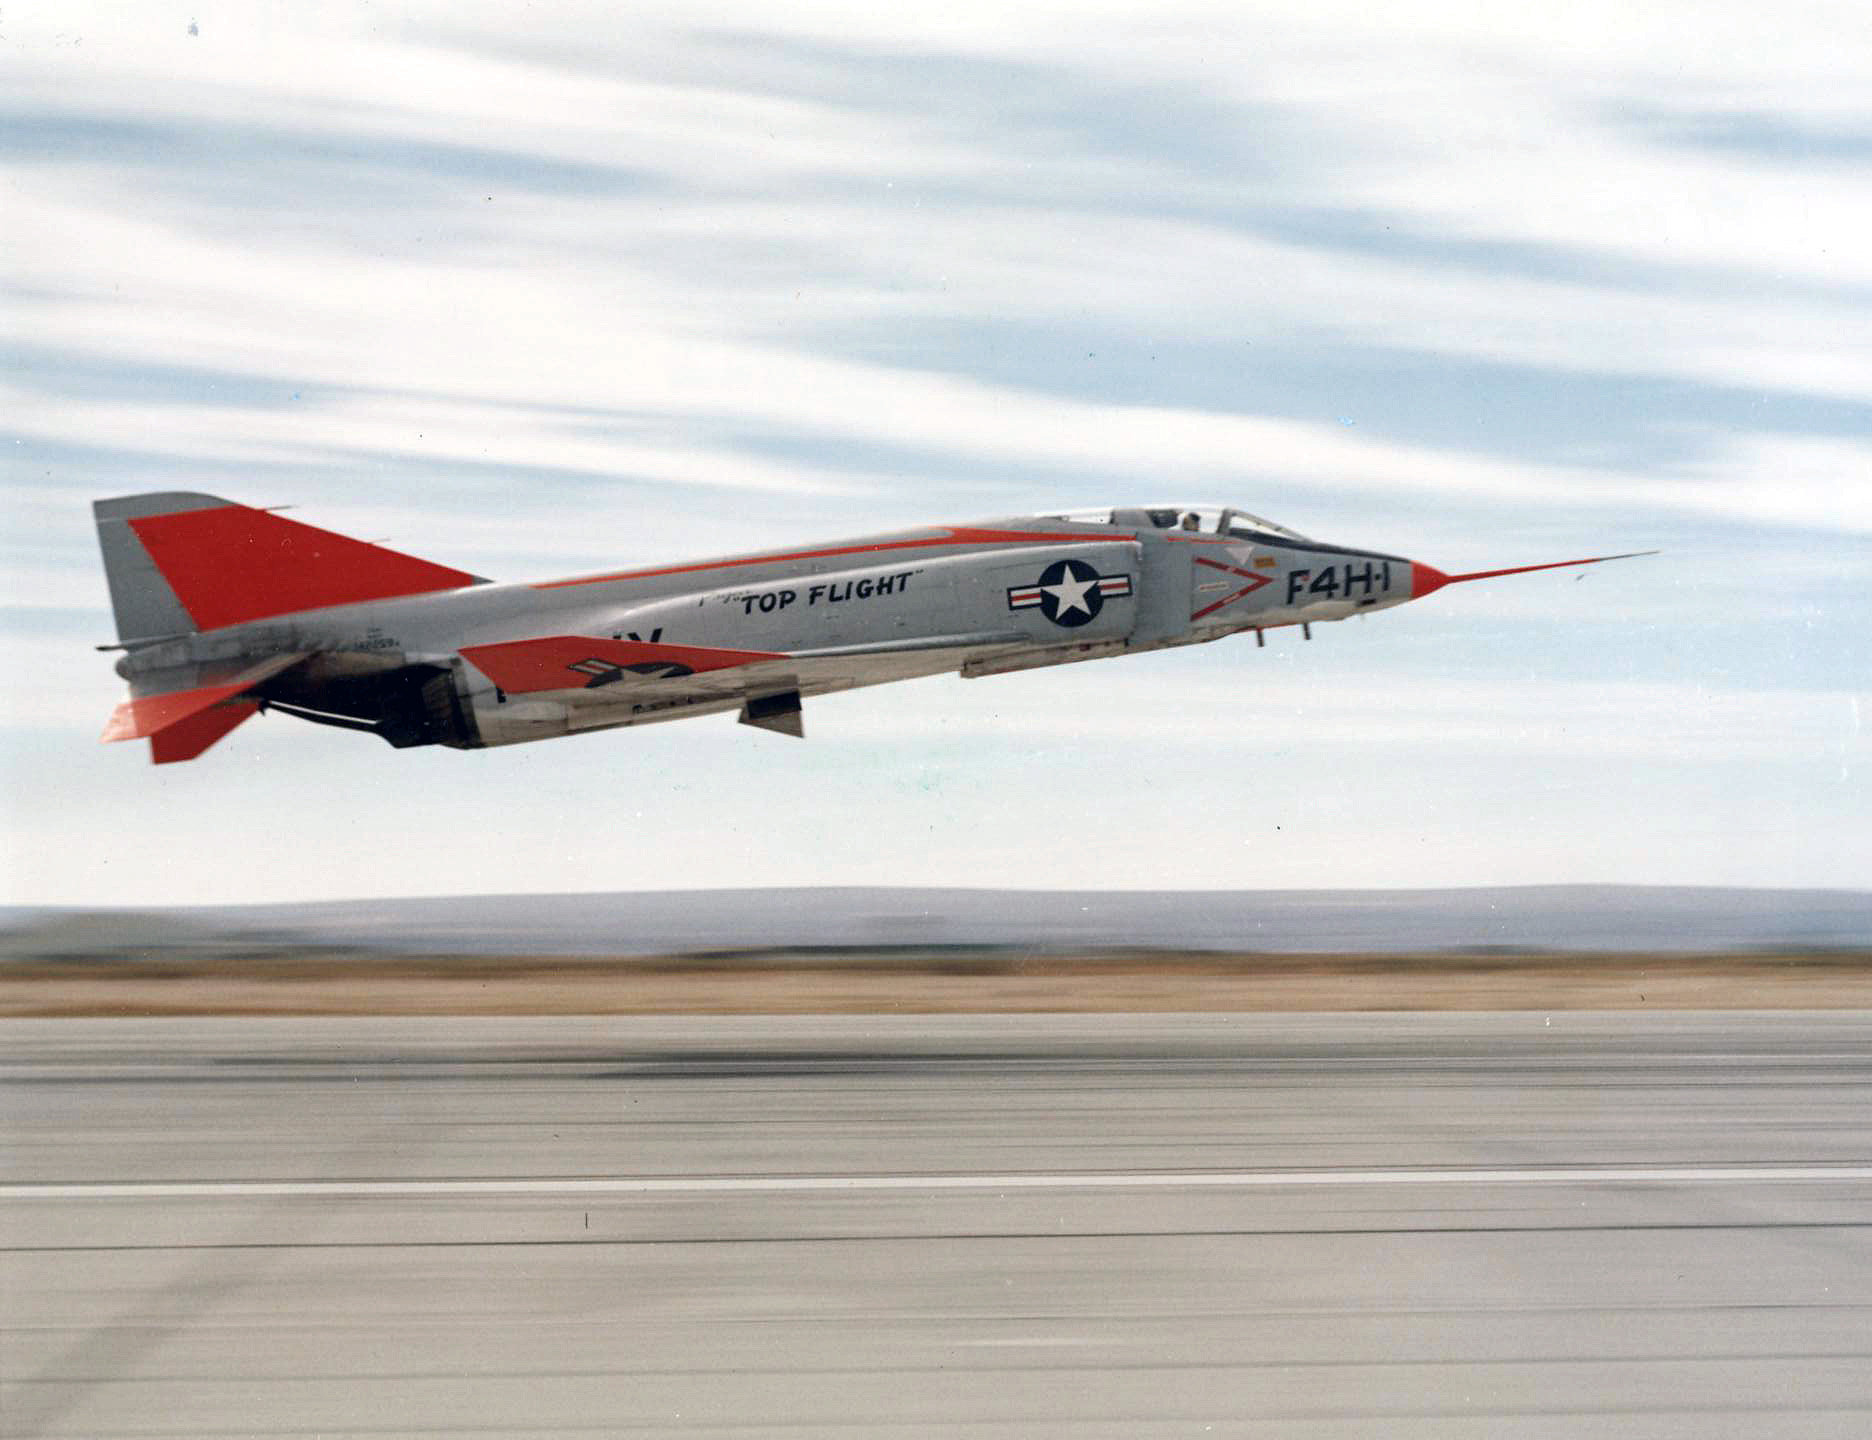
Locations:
column 532, row 291
column 721, row 295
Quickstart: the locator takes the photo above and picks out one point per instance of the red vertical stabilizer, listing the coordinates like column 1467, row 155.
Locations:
column 181, row 561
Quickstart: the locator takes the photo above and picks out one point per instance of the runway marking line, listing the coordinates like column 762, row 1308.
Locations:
column 1064, row 1180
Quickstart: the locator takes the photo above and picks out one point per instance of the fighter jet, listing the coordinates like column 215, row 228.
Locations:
column 225, row 612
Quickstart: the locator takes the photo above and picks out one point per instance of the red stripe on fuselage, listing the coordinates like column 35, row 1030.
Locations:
column 950, row 537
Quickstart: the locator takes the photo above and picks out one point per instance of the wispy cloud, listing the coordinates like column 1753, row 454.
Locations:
column 538, row 289
column 633, row 317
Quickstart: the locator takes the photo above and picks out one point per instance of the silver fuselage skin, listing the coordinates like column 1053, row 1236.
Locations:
column 972, row 599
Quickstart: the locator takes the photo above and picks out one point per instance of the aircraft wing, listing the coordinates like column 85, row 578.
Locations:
column 606, row 671
column 590, row 662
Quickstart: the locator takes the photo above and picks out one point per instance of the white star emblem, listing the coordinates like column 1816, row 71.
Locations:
column 1070, row 593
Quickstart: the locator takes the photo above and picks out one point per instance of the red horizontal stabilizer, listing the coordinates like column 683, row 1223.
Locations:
column 228, row 564
column 180, row 724
column 186, row 739
column 1427, row 579
column 570, row 662
column 148, row 715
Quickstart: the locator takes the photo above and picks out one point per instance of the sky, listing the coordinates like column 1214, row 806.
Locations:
column 545, row 289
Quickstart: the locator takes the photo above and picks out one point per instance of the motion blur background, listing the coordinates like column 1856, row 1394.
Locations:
column 540, row 290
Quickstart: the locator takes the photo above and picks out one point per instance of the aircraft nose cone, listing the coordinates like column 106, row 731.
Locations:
column 1426, row 580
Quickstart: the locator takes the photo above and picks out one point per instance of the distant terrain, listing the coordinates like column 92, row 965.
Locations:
column 881, row 951
column 1568, row 918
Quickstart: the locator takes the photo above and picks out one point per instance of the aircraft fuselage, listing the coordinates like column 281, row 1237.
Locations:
column 474, row 665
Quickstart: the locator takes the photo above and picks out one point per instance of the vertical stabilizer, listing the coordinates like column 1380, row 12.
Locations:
column 146, row 606
column 179, row 562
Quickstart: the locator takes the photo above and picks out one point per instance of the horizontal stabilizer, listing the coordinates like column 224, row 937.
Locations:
column 188, row 738
column 589, row 662
column 181, row 724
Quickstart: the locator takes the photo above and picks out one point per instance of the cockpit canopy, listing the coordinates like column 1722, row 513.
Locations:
column 1204, row 519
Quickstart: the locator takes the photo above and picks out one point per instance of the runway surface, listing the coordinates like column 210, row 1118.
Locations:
column 1406, row 1225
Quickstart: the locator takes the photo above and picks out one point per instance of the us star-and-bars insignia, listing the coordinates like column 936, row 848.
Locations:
column 1069, row 593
